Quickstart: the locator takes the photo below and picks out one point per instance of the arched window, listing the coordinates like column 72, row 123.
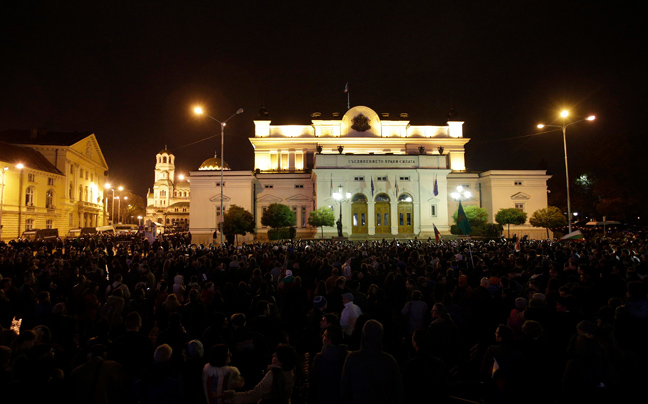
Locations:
column 29, row 197
column 382, row 198
column 71, row 192
column 359, row 198
column 164, row 160
column 405, row 198
column 49, row 199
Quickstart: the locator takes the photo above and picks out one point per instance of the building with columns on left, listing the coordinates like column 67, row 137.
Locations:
column 52, row 180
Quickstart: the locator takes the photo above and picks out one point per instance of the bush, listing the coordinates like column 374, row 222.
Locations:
column 293, row 232
column 279, row 234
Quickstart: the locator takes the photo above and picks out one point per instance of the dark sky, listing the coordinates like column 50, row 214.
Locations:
column 130, row 72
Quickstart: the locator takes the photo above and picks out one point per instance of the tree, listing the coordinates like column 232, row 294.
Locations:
column 549, row 217
column 277, row 216
column 238, row 221
column 476, row 216
column 510, row 216
column 322, row 217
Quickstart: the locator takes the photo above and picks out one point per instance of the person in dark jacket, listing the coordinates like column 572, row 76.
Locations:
column 326, row 370
column 424, row 375
column 371, row 375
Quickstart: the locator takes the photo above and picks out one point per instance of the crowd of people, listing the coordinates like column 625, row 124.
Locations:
column 105, row 320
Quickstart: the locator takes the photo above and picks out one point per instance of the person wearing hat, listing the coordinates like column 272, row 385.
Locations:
column 350, row 314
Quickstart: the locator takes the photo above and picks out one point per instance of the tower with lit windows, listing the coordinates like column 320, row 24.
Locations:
column 168, row 202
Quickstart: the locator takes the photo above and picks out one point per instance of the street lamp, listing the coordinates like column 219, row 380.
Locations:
column 140, row 220
column 564, row 115
column 338, row 196
column 199, row 111
column 461, row 194
column 2, row 172
column 120, row 188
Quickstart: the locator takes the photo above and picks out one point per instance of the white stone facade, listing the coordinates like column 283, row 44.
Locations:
column 399, row 178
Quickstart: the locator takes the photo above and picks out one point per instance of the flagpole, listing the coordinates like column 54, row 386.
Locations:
column 348, row 102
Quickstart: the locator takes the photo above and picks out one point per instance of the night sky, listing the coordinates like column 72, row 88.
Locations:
column 131, row 71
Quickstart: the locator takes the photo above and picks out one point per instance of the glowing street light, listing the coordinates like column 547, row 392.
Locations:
column 461, row 194
column 2, row 185
column 199, row 111
column 109, row 187
column 564, row 114
column 339, row 196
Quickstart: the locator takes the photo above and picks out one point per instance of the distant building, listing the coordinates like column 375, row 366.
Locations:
column 61, row 185
column 168, row 203
column 398, row 178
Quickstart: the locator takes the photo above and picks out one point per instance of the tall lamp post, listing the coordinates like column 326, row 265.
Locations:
column 199, row 111
column 2, row 172
column 564, row 115
column 120, row 188
column 339, row 196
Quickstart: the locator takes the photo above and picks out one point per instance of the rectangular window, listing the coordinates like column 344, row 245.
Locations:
column 355, row 219
column 49, row 224
column 386, row 219
column 29, row 224
column 518, row 183
column 433, row 210
column 404, row 178
column 86, row 174
column 409, row 219
column 50, row 181
column 299, row 186
column 263, row 209
column 381, row 179
column 378, row 216
column 31, row 177
column 358, row 178
column 519, row 206
column 303, row 216
column 218, row 184
column 363, row 218
column 70, row 220
column 268, row 186
column 400, row 219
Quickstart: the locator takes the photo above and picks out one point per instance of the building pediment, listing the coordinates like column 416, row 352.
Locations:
column 299, row 198
column 520, row 196
column 88, row 147
column 269, row 198
column 216, row 198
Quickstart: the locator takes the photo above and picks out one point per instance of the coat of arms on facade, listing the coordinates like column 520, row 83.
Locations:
column 360, row 123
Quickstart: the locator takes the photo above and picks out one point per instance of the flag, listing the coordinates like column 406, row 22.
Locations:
column 462, row 221
column 436, row 187
column 517, row 245
column 396, row 182
column 573, row 236
column 372, row 186
column 437, row 235
column 346, row 87
column 331, row 192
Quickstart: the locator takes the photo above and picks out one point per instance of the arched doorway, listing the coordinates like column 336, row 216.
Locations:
column 359, row 214
column 405, row 214
column 383, row 225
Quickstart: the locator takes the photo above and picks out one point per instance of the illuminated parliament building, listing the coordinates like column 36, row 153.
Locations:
column 395, row 179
